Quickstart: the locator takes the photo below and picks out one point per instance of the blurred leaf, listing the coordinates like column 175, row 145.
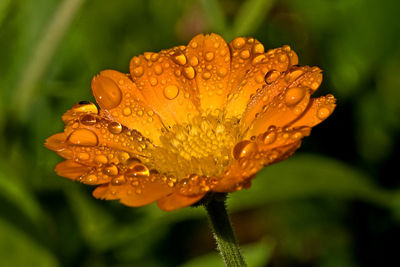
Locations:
column 374, row 138
column 18, row 249
column 39, row 60
column 94, row 222
column 249, row 17
column 16, row 193
column 256, row 255
column 307, row 175
column 215, row 16
column 4, row 5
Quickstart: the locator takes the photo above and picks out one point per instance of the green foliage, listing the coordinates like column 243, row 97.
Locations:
column 298, row 212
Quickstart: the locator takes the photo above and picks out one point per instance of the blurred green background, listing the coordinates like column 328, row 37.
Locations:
column 335, row 203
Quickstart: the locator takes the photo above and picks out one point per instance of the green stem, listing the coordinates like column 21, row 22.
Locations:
column 223, row 232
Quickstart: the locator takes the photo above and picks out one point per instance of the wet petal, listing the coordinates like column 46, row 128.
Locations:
column 129, row 107
column 209, row 56
column 281, row 102
column 319, row 109
column 249, row 77
column 135, row 193
column 167, row 83
column 177, row 201
column 70, row 169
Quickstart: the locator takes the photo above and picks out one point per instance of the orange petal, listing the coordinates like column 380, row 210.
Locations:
column 81, row 108
column 167, row 84
column 134, row 195
column 210, row 57
column 56, row 141
column 294, row 90
column 71, row 169
column 319, row 109
column 249, row 76
column 176, row 201
column 122, row 101
column 244, row 168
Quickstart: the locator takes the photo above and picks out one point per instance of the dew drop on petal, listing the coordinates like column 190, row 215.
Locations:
column 245, row 54
column 258, row 59
column 88, row 120
column 179, row 58
column 106, row 91
column 83, row 137
column 221, row 72
column 119, row 180
column 294, row 95
column 243, row 149
column 110, row 170
column 171, row 91
column 194, row 61
column 258, row 49
column 239, row 42
column 323, row 113
column 138, row 72
column 206, row 75
column 158, row 69
column 83, row 156
column 209, row 56
column 115, row 127
column 100, row 159
column 189, row 72
column 271, row 76
column 138, row 169
column 270, row 136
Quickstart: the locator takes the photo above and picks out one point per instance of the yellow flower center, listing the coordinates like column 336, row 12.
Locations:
column 202, row 147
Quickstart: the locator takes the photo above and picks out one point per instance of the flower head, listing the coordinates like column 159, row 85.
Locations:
column 189, row 120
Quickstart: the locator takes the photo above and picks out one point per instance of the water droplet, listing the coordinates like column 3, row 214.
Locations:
column 243, row 149
column 158, row 69
column 119, row 180
column 209, row 56
column 171, row 91
column 258, row 49
column 206, row 75
column 83, row 137
column 193, row 44
column 294, row 75
column 323, row 113
column 271, row 76
column 179, row 58
column 83, row 156
column 106, row 92
column 88, row 179
column 115, row 127
column 258, row 59
column 269, row 137
column 245, row 54
column 221, row 72
column 126, row 111
column 138, row 169
column 138, row 71
column 101, row 159
column 283, row 58
column 294, row 95
column 110, row 170
column 153, row 81
column 189, row 72
column 194, row 61
column 123, row 157
column 88, row 120
column 239, row 42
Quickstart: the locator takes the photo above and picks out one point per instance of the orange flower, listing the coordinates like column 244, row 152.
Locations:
column 186, row 121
